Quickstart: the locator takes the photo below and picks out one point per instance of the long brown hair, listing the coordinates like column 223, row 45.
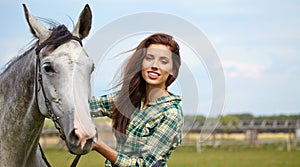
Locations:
column 133, row 87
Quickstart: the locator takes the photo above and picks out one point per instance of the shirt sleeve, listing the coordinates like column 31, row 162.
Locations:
column 103, row 105
column 166, row 137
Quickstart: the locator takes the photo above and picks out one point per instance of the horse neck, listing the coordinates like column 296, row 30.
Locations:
column 20, row 121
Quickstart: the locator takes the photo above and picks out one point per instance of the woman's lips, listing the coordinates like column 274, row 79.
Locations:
column 153, row 75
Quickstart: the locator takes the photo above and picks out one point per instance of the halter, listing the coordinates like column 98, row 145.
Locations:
column 51, row 114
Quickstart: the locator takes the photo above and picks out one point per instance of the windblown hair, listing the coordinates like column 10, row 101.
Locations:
column 59, row 36
column 133, row 87
column 26, row 61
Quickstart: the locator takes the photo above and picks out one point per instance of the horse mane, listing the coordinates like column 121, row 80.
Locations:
column 11, row 62
column 60, row 35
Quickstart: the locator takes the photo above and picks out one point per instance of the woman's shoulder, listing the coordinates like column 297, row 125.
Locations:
column 172, row 105
column 171, row 98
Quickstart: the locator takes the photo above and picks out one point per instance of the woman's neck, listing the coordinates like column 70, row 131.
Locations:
column 153, row 93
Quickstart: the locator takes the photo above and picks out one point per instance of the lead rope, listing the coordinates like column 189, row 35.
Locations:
column 44, row 156
column 75, row 161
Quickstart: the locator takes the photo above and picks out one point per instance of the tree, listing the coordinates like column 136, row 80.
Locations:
column 234, row 120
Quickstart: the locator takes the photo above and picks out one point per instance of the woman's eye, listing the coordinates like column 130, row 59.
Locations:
column 164, row 61
column 48, row 68
column 149, row 57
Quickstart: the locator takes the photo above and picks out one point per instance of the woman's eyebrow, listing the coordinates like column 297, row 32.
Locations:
column 149, row 54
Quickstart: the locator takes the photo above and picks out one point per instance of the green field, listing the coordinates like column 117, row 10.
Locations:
column 187, row 158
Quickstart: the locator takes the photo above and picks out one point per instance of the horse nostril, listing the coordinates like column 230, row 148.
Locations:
column 74, row 139
column 84, row 141
column 90, row 141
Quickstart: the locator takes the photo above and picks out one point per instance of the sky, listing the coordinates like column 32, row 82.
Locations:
column 257, row 43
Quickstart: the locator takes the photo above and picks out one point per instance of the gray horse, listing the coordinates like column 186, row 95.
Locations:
column 51, row 79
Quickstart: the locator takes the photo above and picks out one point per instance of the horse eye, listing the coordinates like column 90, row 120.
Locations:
column 48, row 68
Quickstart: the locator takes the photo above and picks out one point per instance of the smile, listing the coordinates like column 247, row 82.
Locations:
column 153, row 75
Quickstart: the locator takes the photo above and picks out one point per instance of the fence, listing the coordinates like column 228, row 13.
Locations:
column 246, row 132
column 249, row 129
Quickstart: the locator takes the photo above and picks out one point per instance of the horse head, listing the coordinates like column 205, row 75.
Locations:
column 64, row 73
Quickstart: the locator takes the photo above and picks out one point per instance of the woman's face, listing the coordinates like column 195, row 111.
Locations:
column 157, row 65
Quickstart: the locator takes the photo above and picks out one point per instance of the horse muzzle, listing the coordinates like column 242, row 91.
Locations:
column 79, row 143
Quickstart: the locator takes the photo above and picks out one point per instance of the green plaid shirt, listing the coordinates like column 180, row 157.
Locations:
column 152, row 134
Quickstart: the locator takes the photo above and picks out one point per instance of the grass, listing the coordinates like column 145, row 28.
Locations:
column 62, row 158
column 187, row 158
column 233, row 151
column 248, row 158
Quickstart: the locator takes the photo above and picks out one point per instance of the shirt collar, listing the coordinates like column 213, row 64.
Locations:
column 163, row 99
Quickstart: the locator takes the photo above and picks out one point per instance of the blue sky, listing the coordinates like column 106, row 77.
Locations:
column 257, row 42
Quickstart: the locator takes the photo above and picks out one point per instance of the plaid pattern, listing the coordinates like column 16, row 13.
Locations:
column 102, row 106
column 153, row 132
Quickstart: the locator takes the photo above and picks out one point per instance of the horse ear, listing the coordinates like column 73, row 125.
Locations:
column 84, row 23
column 36, row 27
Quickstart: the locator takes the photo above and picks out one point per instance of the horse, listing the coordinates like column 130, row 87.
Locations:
column 49, row 80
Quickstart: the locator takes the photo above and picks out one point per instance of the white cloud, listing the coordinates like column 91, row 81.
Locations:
column 235, row 69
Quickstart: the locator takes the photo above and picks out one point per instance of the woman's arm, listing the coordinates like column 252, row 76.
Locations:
column 166, row 137
column 103, row 105
column 106, row 151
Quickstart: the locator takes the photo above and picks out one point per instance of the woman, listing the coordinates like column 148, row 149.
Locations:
column 146, row 118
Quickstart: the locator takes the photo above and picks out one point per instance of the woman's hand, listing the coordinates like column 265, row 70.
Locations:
column 105, row 150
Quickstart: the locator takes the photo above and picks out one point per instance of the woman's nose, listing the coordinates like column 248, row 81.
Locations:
column 154, row 68
column 155, row 65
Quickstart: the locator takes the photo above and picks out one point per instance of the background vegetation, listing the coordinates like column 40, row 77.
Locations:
column 187, row 157
column 231, row 150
